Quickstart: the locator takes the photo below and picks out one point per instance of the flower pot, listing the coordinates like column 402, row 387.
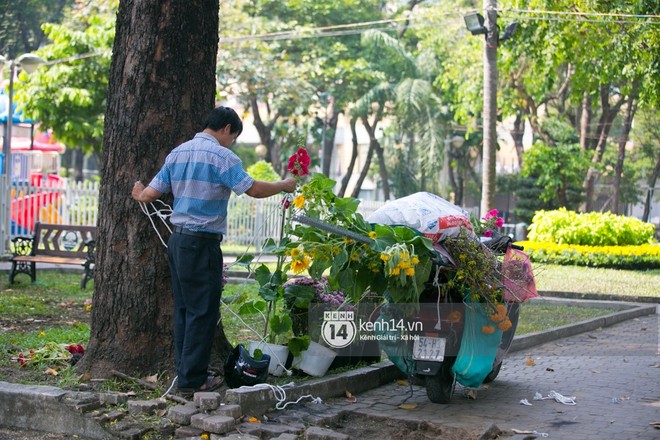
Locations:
column 278, row 355
column 314, row 361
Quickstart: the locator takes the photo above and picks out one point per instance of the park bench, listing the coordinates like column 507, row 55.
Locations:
column 54, row 244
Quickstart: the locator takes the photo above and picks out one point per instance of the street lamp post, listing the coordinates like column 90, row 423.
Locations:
column 29, row 63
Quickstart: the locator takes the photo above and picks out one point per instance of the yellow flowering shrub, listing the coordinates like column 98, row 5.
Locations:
column 641, row 257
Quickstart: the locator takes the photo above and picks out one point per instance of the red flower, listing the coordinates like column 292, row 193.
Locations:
column 75, row 349
column 299, row 163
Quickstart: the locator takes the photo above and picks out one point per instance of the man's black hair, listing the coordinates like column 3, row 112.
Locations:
column 221, row 116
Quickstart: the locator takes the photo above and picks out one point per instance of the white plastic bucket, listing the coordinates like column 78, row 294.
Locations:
column 278, row 355
column 316, row 360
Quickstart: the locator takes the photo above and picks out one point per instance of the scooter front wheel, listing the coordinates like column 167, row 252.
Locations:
column 440, row 387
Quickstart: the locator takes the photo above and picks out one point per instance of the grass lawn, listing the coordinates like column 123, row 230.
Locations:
column 596, row 280
column 56, row 312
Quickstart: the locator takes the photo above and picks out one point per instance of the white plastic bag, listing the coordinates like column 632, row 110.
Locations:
column 431, row 215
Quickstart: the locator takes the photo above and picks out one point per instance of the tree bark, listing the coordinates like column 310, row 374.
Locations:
column 607, row 116
column 490, row 108
column 623, row 140
column 517, row 134
column 265, row 130
column 649, row 194
column 585, row 122
column 161, row 87
column 374, row 146
column 351, row 164
column 329, row 129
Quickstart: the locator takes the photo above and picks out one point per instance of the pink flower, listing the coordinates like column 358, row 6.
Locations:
column 491, row 213
column 488, row 233
column 499, row 222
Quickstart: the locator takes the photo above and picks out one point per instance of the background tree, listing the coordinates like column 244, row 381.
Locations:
column 20, row 24
column 584, row 67
column 69, row 95
column 161, row 87
column 558, row 171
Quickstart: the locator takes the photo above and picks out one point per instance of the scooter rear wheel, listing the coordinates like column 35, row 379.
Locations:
column 440, row 388
column 493, row 374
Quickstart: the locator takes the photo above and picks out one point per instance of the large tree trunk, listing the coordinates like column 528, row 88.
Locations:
column 161, row 87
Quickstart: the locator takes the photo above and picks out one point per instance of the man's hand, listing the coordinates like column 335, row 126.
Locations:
column 289, row 184
column 144, row 194
column 138, row 187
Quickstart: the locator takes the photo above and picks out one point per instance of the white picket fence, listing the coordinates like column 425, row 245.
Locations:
column 250, row 221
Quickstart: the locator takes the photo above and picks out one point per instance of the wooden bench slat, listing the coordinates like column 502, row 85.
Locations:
column 52, row 260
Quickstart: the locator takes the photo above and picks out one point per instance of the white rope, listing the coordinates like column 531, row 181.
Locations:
column 170, row 388
column 280, row 394
column 163, row 214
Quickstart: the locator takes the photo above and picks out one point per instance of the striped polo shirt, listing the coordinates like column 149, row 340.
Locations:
column 201, row 174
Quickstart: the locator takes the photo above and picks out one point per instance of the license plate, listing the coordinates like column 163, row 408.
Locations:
column 429, row 349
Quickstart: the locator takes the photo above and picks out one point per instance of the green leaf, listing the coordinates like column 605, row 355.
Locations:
column 297, row 344
column 318, row 267
column 252, row 307
column 301, row 295
column 280, row 324
column 269, row 292
column 269, row 246
column 244, row 260
column 262, row 274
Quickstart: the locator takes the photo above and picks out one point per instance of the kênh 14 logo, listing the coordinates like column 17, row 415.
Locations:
column 339, row 329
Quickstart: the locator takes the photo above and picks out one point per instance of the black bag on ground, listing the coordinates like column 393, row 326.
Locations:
column 241, row 369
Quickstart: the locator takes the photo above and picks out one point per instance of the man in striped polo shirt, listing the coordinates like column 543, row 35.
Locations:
column 201, row 174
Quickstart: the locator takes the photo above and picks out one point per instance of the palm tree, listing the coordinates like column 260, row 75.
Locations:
column 406, row 94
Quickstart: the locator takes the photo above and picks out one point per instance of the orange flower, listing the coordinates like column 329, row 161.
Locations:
column 488, row 329
column 455, row 317
column 505, row 325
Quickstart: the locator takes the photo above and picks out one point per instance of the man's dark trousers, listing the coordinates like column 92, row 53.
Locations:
column 196, row 267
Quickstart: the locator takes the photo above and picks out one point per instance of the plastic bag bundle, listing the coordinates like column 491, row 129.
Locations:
column 431, row 215
column 479, row 345
column 390, row 340
column 518, row 277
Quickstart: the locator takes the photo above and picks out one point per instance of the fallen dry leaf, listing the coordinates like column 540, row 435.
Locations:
column 471, row 394
column 530, row 362
column 350, row 397
column 51, row 371
column 402, row 382
column 408, row 406
column 253, row 420
column 151, row 379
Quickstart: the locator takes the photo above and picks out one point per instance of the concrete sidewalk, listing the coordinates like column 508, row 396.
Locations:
column 609, row 364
